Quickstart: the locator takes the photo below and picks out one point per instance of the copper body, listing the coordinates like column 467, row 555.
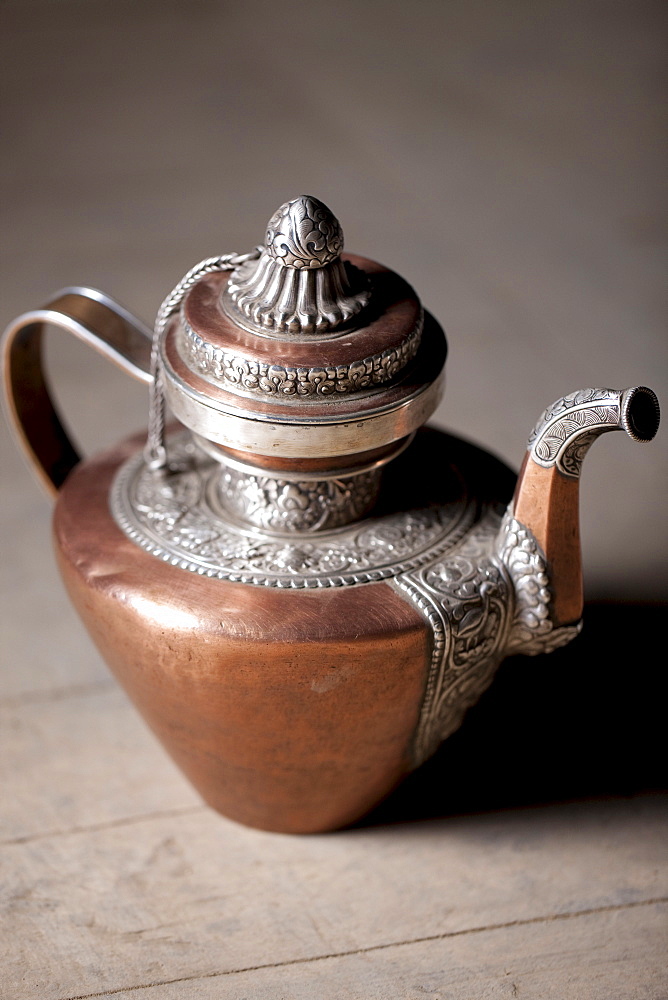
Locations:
column 288, row 710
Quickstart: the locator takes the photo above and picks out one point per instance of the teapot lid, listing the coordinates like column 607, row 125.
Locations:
column 302, row 351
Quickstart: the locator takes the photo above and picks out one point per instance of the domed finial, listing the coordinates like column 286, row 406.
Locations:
column 304, row 233
column 299, row 284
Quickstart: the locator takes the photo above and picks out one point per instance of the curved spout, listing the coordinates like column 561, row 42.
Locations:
column 547, row 493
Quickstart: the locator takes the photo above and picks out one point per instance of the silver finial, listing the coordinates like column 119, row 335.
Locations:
column 298, row 284
column 304, row 233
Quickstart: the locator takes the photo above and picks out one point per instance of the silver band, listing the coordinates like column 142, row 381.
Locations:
column 247, row 375
column 301, row 476
column 485, row 598
column 294, row 506
column 283, row 432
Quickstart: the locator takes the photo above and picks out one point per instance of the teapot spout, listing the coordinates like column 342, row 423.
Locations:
column 546, row 500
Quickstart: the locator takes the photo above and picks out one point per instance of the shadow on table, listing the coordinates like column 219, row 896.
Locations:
column 587, row 721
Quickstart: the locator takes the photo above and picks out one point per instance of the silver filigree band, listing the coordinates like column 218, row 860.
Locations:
column 296, row 506
column 178, row 518
column 466, row 598
column 249, row 375
column 532, row 631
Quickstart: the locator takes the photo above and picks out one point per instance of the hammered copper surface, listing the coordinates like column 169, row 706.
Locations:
column 291, row 711
column 548, row 504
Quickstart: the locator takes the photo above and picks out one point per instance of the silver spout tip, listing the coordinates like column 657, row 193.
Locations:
column 640, row 413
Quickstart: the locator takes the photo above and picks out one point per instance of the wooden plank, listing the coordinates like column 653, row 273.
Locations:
column 81, row 760
column 42, row 647
column 195, row 895
column 577, row 957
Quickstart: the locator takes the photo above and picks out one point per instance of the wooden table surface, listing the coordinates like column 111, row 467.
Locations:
column 507, row 159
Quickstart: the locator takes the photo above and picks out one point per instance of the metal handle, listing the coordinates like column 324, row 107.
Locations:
column 96, row 320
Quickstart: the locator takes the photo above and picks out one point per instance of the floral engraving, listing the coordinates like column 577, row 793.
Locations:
column 532, row 630
column 178, row 517
column 284, row 380
column 299, row 284
column 486, row 598
column 467, row 598
column 284, row 505
column 304, row 233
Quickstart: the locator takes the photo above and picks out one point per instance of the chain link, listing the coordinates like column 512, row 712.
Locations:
column 155, row 454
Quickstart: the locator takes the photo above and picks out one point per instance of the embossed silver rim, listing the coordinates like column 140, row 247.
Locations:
column 248, row 376
column 303, row 436
column 415, row 537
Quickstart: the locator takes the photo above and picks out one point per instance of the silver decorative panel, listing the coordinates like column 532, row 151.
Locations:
column 486, row 598
column 248, row 375
column 178, row 517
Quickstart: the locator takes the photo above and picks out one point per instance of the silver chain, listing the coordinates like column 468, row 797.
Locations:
column 155, row 454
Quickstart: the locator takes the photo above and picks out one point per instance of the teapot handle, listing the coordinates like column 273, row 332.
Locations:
column 96, row 320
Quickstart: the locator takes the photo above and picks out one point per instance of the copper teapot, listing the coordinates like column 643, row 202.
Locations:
column 300, row 586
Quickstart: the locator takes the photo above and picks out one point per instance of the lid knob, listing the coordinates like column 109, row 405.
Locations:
column 304, row 233
column 299, row 285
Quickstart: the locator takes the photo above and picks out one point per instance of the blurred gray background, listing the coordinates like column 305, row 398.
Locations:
column 506, row 157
